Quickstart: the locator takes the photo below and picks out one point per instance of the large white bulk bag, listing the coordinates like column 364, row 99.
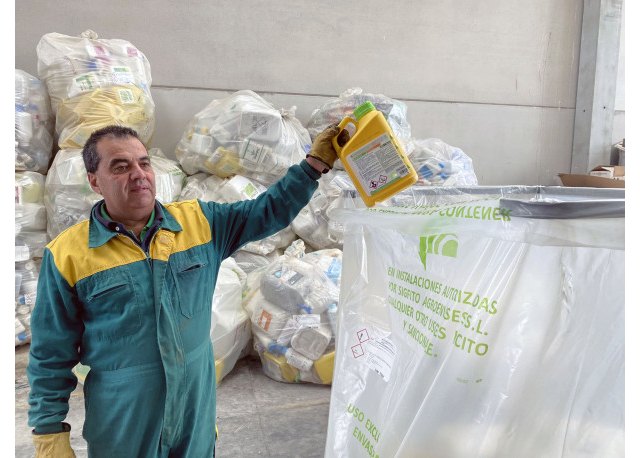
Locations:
column 482, row 325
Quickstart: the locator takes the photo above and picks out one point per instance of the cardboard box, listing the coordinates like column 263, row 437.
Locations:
column 608, row 171
column 617, row 153
column 602, row 176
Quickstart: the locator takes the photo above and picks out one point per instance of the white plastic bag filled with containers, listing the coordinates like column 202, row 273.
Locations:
column 293, row 304
column 30, row 213
column 34, row 124
column 95, row 82
column 486, row 323
column 169, row 176
column 243, row 134
column 26, row 277
column 440, row 164
column 68, row 196
column 333, row 111
column 313, row 224
column 230, row 324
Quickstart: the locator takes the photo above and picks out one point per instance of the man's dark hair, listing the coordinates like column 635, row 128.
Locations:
column 90, row 150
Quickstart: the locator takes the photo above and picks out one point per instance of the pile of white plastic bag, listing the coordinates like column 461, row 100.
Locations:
column 231, row 151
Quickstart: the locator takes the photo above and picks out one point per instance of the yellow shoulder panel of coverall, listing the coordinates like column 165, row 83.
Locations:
column 75, row 260
column 195, row 230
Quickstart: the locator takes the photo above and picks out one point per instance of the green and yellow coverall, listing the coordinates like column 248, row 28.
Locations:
column 139, row 314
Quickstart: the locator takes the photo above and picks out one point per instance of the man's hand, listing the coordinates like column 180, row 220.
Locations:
column 322, row 154
column 57, row 445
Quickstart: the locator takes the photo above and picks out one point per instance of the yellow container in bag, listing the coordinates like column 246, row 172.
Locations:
column 373, row 157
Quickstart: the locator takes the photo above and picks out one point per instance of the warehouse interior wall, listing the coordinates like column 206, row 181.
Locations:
column 618, row 116
column 496, row 78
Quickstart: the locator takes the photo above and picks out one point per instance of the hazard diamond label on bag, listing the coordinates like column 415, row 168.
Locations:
column 379, row 353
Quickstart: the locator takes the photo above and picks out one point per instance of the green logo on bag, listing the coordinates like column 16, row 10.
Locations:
column 440, row 244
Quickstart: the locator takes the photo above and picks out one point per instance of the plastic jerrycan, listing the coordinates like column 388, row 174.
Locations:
column 373, row 157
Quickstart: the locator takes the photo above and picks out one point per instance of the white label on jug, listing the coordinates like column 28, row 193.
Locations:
column 83, row 83
column 121, row 75
column 298, row 361
column 289, row 276
column 30, row 298
column 126, row 96
column 253, row 153
column 380, row 353
column 377, row 164
column 250, row 191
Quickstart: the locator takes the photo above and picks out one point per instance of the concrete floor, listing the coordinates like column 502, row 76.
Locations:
column 257, row 416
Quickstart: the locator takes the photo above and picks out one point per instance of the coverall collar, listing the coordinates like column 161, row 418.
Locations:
column 99, row 234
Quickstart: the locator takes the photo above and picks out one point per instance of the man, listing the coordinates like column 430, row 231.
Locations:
column 128, row 292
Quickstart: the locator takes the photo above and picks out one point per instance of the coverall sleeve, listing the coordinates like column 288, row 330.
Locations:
column 233, row 225
column 56, row 332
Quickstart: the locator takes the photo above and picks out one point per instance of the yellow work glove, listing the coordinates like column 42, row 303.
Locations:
column 56, row 445
column 322, row 148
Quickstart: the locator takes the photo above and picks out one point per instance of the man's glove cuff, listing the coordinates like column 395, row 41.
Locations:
column 327, row 166
column 62, row 427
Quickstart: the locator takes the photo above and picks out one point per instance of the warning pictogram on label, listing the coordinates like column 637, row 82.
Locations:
column 363, row 335
column 357, row 351
column 382, row 179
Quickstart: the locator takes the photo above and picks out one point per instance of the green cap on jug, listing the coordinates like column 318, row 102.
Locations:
column 363, row 109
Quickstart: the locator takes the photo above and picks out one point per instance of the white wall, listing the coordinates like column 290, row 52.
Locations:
column 618, row 117
column 495, row 78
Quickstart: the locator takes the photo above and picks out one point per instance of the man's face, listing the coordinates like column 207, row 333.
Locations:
column 124, row 177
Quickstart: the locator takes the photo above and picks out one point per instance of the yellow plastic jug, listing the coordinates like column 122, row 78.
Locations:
column 373, row 157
